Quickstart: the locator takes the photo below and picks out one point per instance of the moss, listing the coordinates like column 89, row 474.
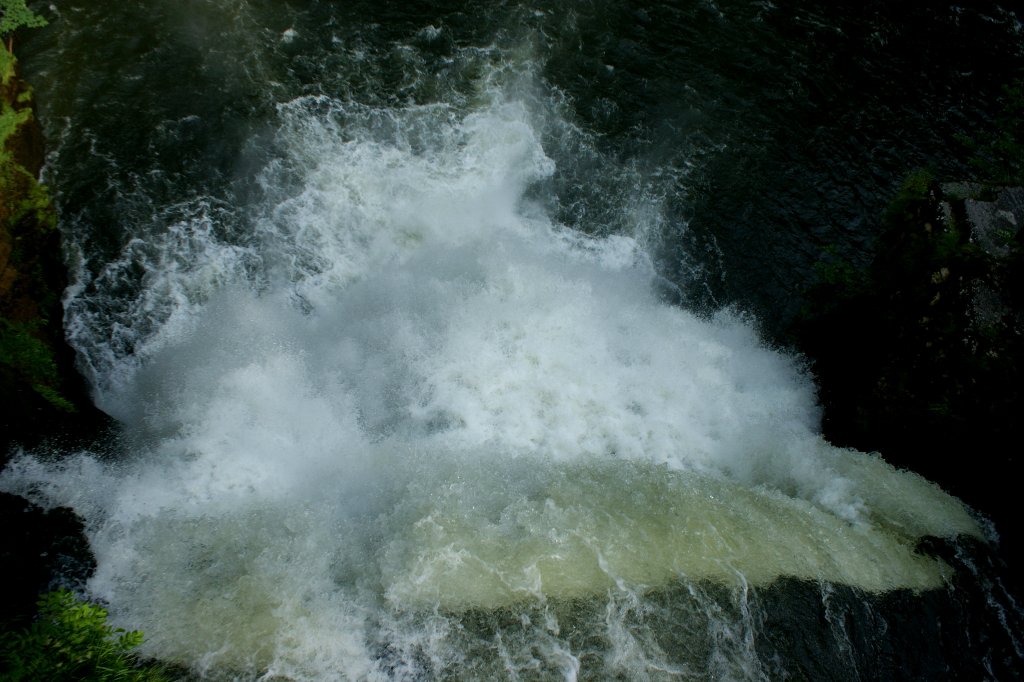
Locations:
column 908, row 207
column 918, row 354
column 30, row 266
column 31, row 360
column 834, row 270
column 10, row 121
column 32, row 202
column 999, row 158
column 7, row 63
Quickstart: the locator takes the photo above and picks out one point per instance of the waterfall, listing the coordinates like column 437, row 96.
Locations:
column 394, row 407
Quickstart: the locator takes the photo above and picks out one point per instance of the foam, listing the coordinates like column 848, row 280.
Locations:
column 438, row 401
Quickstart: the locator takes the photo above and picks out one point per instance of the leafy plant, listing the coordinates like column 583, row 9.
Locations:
column 71, row 640
column 31, row 358
column 15, row 14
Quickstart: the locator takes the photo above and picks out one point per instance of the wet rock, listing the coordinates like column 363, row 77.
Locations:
column 920, row 355
column 996, row 224
column 41, row 393
column 39, row 550
column 42, row 396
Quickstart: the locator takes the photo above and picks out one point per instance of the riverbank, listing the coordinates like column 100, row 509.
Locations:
column 42, row 397
column 41, row 393
column 918, row 356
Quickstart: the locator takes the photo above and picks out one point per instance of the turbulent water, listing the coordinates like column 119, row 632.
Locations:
column 398, row 310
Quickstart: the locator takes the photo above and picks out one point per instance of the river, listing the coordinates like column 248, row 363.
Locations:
column 440, row 335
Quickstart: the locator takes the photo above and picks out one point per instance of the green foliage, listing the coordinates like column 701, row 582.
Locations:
column 836, row 282
column 29, row 357
column 26, row 215
column 20, row 349
column 35, row 200
column 71, row 640
column 14, row 14
column 52, row 396
column 7, row 62
column 834, row 270
column 906, row 206
column 9, row 122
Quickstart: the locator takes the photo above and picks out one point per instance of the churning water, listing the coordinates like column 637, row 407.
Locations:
column 402, row 395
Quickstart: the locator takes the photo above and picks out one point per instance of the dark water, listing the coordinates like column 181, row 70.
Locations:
column 772, row 130
column 411, row 314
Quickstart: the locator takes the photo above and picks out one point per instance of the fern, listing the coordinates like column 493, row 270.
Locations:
column 71, row 640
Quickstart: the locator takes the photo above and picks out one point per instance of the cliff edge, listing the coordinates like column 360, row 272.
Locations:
column 41, row 393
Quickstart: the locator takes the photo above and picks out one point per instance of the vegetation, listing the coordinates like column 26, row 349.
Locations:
column 918, row 354
column 920, row 351
column 999, row 158
column 14, row 15
column 71, row 640
column 25, row 355
column 27, row 235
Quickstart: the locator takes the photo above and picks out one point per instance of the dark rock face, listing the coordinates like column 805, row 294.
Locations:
column 42, row 397
column 956, row 633
column 39, row 550
column 996, row 302
column 919, row 357
column 41, row 393
column 995, row 223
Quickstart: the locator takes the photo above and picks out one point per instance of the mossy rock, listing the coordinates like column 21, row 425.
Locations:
column 40, row 390
column 919, row 356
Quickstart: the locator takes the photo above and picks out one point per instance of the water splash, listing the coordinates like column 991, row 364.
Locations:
column 410, row 424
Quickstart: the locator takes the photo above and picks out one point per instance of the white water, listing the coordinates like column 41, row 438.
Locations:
column 431, row 402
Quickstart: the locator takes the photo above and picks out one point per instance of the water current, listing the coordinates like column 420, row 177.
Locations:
column 435, row 334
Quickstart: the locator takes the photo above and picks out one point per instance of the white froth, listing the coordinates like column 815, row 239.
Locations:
column 472, row 408
column 376, row 185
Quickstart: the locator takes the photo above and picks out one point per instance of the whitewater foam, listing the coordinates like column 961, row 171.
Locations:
column 435, row 401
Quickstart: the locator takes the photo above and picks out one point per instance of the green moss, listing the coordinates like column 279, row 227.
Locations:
column 834, row 270
column 908, row 361
column 54, row 398
column 7, row 62
column 27, row 215
column 837, row 280
column 999, row 159
column 27, row 357
column 10, row 120
column 34, row 202
column 912, row 197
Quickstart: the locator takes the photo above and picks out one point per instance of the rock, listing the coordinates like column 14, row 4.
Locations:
column 958, row 191
column 41, row 393
column 919, row 357
column 39, row 551
column 995, row 224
